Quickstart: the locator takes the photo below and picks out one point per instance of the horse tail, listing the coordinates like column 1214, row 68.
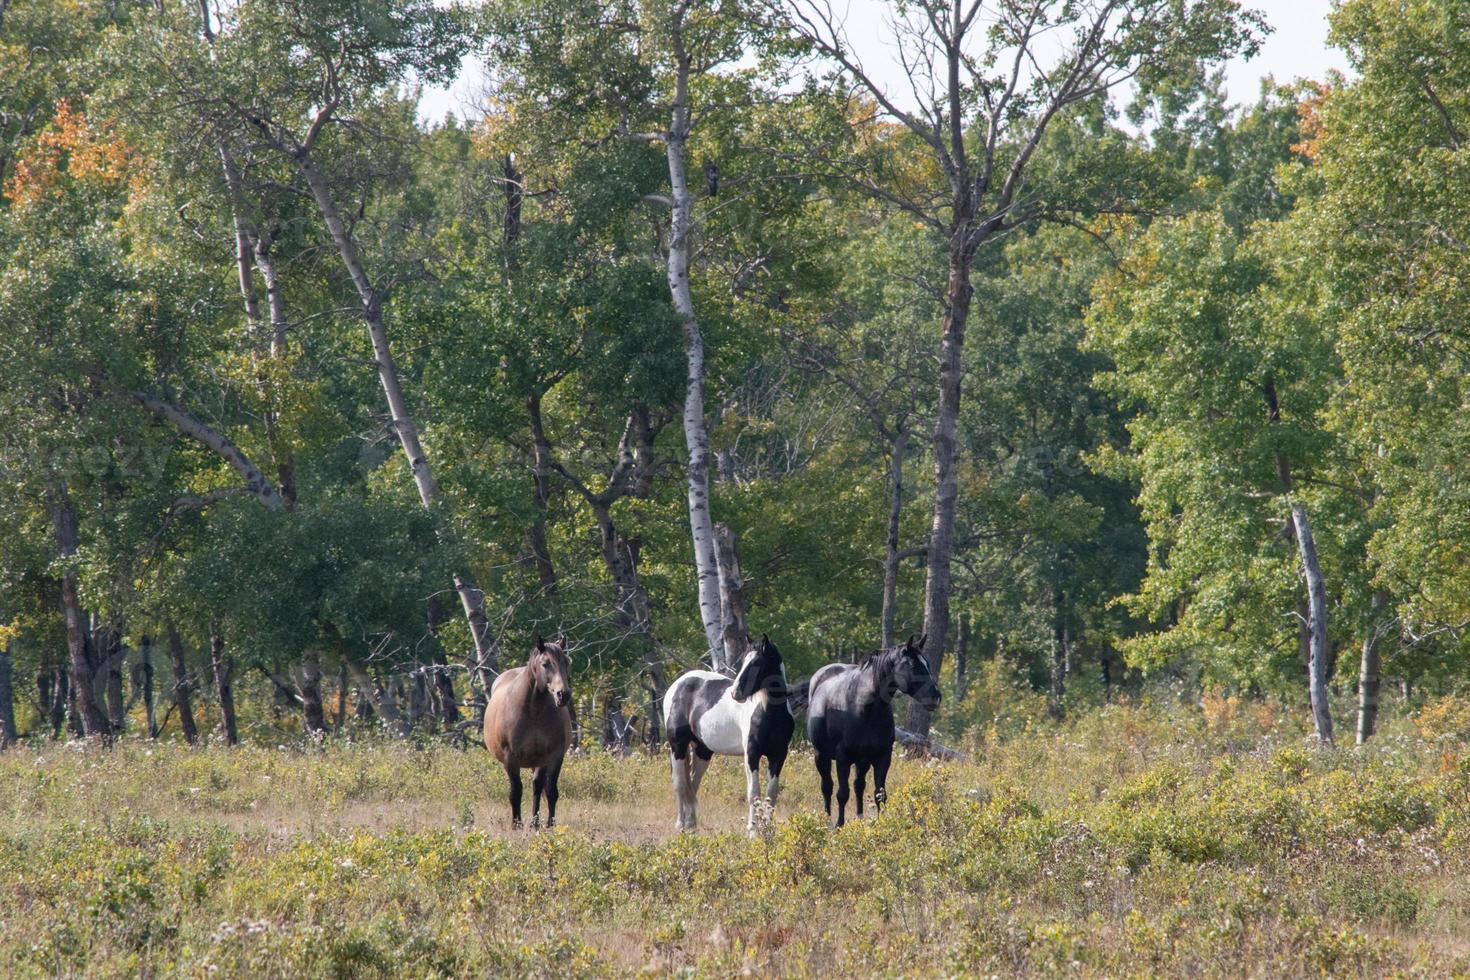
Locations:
column 798, row 695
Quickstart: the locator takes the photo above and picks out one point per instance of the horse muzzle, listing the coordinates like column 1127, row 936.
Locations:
column 562, row 698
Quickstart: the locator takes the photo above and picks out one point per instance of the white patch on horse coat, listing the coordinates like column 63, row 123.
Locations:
column 672, row 692
column 723, row 726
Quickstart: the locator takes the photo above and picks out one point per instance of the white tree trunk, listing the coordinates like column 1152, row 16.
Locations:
column 696, row 434
column 1316, row 622
column 1369, row 669
column 255, row 481
column 470, row 596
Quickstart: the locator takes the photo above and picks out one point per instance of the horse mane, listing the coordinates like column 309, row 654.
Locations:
column 880, row 657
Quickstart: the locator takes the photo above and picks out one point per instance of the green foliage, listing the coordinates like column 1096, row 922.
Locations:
column 1387, row 226
column 1124, row 477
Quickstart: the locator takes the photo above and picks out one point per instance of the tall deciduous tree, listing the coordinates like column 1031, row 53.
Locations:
column 1387, row 229
column 1231, row 384
column 657, row 75
column 331, row 68
column 985, row 88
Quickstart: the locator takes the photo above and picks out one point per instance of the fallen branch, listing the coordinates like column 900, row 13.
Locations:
column 459, row 736
column 917, row 743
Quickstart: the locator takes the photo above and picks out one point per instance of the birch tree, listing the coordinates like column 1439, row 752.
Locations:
column 683, row 49
column 329, row 65
column 1234, row 458
column 1387, row 229
column 649, row 76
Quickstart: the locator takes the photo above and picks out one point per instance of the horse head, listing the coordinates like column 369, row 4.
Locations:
column 911, row 673
column 761, row 670
column 551, row 670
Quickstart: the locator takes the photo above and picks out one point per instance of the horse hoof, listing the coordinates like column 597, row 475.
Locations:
column 535, row 823
column 515, row 825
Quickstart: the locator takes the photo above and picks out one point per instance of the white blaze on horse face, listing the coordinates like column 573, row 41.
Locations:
column 745, row 665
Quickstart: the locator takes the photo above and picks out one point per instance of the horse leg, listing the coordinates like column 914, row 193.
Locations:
column 880, row 780
column 515, row 797
column 553, row 791
column 860, row 786
column 844, row 772
column 697, row 765
column 824, row 770
column 682, row 792
column 752, row 787
column 775, row 761
column 538, row 786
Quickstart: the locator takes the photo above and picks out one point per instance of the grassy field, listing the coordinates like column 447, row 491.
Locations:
column 1131, row 841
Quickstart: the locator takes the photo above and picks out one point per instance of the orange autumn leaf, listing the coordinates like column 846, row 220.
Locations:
column 1309, row 122
column 70, row 147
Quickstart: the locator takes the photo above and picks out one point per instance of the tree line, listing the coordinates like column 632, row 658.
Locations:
column 1053, row 356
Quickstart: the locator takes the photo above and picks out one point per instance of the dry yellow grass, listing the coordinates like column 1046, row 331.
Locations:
column 1130, row 842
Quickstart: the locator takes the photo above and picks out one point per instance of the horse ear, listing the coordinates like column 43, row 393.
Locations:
column 909, row 643
column 540, row 644
column 923, row 641
column 765, row 642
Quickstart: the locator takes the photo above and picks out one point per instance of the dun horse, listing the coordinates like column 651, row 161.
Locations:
column 528, row 725
column 707, row 714
column 850, row 718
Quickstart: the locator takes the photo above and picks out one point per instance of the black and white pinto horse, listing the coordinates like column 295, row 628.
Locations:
column 708, row 714
column 850, row 718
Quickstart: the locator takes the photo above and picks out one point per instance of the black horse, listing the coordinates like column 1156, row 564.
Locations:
column 850, row 718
